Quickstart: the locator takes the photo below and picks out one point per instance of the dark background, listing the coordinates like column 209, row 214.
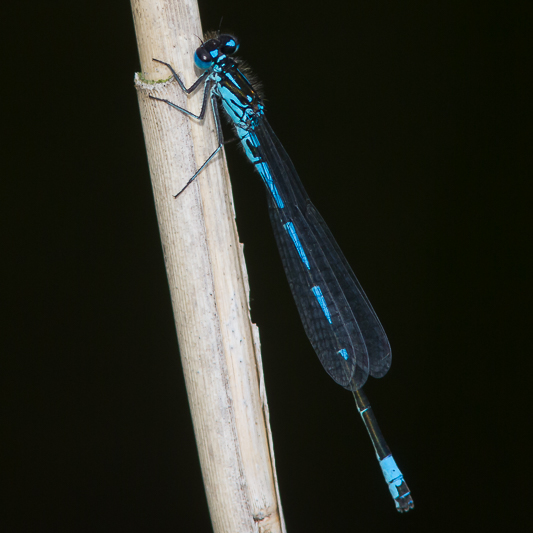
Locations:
column 407, row 124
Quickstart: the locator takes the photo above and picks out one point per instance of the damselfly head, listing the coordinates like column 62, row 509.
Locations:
column 206, row 54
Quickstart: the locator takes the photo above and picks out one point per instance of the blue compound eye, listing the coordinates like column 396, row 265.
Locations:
column 228, row 44
column 202, row 58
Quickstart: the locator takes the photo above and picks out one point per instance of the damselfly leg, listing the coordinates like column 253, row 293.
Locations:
column 200, row 116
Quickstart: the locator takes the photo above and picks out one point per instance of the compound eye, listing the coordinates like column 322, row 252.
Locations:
column 202, row 58
column 228, row 44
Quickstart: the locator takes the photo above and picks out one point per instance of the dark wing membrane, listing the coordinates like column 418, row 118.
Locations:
column 355, row 326
column 328, row 339
column 377, row 343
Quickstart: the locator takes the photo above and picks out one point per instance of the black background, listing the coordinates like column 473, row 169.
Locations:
column 407, row 124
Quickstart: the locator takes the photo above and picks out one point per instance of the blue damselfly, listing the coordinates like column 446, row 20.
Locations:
column 336, row 314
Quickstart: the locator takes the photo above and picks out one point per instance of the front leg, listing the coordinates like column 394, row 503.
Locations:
column 178, row 79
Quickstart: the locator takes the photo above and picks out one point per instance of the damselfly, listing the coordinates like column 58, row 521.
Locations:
column 336, row 314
